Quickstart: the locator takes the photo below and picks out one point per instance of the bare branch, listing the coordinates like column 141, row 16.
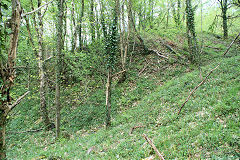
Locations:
column 231, row 44
column 153, row 146
column 10, row 107
column 118, row 73
column 48, row 59
column 36, row 9
column 135, row 127
column 207, row 75
column 158, row 53
column 197, row 88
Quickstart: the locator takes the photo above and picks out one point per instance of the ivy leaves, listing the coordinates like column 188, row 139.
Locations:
column 111, row 42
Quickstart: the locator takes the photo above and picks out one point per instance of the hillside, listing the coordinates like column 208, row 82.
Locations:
column 147, row 103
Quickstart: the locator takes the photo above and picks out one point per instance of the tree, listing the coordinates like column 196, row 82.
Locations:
column 80, row 27
column 144, row 47
column 191, row 34
column 42, row 88
column 111, row 45
column 92, row 21
column 7, row 72
column 74, row 29
column 224, row 7
column 58, row 63
column 176, row 16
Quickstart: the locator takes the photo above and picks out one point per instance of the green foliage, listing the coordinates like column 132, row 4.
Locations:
column 111, row 41
column 206, row 129
column 209, row 124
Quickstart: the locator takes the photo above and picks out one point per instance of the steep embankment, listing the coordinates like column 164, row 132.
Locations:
column 208, row 126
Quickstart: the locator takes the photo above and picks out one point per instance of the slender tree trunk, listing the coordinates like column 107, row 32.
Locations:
column 108, row 97
column 191, row 34
column 224, row 17
column 42, row 76
column 80, row 27
column 97, row 24
column 74, row 37
column 145, row 49
column 8, row 74
column 2, row 134
column 178, row 12
column 144, row 15
column 64, row 40
column 58, row 64
column 92, row 23
column 167, row 14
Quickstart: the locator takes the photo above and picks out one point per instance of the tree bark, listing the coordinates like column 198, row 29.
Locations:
column 42, row 86
column 145, row 49
column 108, row 97
column 191, row 34
column 74, row 36
column 92, row 23
column 8, row 74
column 224, row 17
column 2, row 135
column 58, row 64
column 80, row 27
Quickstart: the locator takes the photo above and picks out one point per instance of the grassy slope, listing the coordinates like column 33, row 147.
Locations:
column 208, row 126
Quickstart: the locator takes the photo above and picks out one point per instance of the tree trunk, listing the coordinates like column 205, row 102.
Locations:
column 92, row 23
column 145, row 49
column 178, row 12
column 224, row 17
column 2, row 135
column 108, row 97
column 58, row 64
column 42, row 86
column 80, row 28
column 168, row 6
column 97, row 24
column 8, row 74
column 191, row 34
column 74, row 36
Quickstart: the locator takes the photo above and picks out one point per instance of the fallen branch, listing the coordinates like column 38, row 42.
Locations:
column 153, row 146
column 155, row 51
column 135, row 127
column 168, row 47
column 118, row 73
column 231, row 44
column 29, row 131
column 207, row 75
column 142, row 70
column 10, row 107
column 197, row 88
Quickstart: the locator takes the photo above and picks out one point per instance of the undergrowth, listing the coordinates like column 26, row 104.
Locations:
column 208, row 126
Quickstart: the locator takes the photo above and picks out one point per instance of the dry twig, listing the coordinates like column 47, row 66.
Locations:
column 135, row 127
column 153, row 146
column 114, row 75
column 197, row 87
column 10, row 107
column 142, row 70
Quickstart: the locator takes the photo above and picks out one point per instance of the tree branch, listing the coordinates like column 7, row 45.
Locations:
column 10, row 107
column 153, row 146
column 118, row 73
column 23, row 15
column 197, row 88
column 207, row 75
column 231, row 44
